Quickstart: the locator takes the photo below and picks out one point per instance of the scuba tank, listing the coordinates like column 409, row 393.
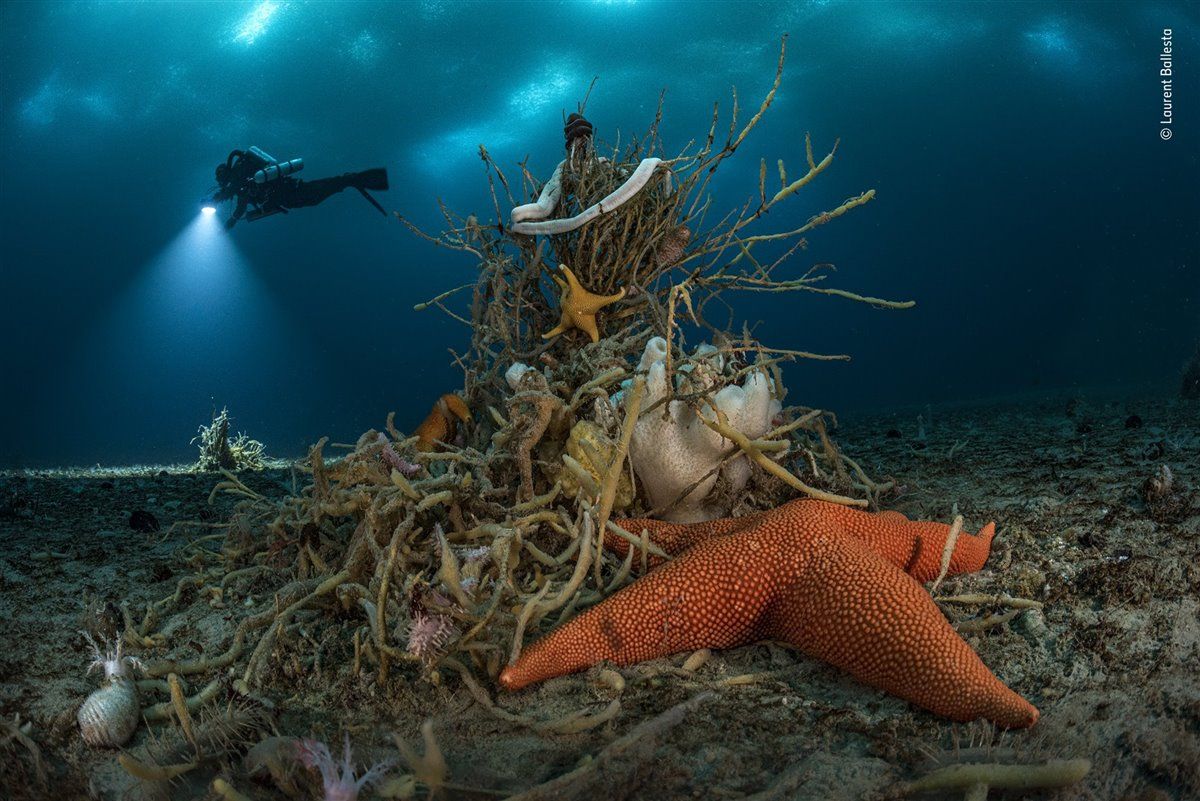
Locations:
column 275, row 169
column 278, row 170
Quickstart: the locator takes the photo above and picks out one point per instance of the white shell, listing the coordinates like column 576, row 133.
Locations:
column 110, row 715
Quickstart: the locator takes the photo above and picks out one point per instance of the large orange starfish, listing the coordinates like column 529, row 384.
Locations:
column 579, row 306
column 827, row 579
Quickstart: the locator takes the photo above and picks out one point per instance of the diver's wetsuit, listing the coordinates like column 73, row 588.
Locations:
column 281, row 194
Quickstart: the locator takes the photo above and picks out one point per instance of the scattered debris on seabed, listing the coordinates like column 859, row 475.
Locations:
column 371, row 593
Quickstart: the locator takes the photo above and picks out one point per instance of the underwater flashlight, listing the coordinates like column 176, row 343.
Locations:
column 209, row 211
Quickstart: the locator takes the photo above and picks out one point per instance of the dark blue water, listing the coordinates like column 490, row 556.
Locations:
column 1025, row 197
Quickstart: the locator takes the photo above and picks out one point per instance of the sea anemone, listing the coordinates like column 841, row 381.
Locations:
column 110, row 715
column 428, row 635
column 429, row 631
column 343, row 784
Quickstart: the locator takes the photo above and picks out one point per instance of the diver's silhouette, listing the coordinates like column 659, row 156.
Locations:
column 265, row 186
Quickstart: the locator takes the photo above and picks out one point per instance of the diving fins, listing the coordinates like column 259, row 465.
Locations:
column 371, row 200
column 375, row 179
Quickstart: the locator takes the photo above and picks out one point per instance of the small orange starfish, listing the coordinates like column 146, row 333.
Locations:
column 440, row 425
column 579, row 306
column 829, row 580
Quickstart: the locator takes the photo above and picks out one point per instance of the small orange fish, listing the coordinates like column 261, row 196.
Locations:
column 441, row 424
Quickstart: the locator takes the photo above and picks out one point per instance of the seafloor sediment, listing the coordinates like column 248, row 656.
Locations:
column 1085, row 528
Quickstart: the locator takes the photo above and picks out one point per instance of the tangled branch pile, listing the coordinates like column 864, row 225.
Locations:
column 433, row 560
column 662, row 247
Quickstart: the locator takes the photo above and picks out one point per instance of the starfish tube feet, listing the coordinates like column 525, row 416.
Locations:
column 853, row 609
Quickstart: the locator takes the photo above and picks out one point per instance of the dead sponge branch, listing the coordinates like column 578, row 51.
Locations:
column 608, row 489
column 429, row 768
column 569, row 724
column 723, row 428
column 181, row 708
column 991, row 600
column 947, row 552
column 974, row 780
column 227, row 791
column 618, row 760
column 22, row 770
column 214, row 737
column 986, row 622
column 230, row 655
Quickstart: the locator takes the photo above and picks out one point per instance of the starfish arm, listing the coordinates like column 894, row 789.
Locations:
column 850, row 607
column 587, row 324
column 704, row 599
column 614, row 297
column 573, row 287
column 675, row 538
column 595, row 303
column 912, row 545
column 562, row 326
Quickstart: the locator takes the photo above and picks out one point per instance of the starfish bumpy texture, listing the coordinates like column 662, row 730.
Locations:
column 827, row 579
column 579, row 306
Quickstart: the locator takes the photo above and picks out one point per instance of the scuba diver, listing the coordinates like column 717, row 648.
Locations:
column 265, row 186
